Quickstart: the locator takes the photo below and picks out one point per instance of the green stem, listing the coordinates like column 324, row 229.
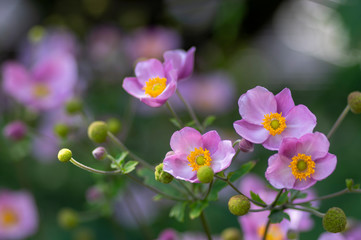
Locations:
column 175, row 115
column 317, row 213
column 205, row 226
column 236, row 142
column 92, row 170
column 209, row 190
column 338, row 121
column 191, row 112
column 277, row 197
column 266, row 229
column 336, row 194
column 188, row 190
column 125, row 149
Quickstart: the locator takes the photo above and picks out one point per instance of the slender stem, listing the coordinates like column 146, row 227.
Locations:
column 205, row 226
column 191, row 112
column 266, row 229
column 209, row 190
column 338, row 121
column 175, row 115
column 124, row 148
column 187, row 189
column 339, row 193
column 92, row 170
column 317, row 213
column 277, row 197
column 236, row 142
column 232, row 186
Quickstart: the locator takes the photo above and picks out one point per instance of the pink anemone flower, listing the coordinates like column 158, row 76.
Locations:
column 153, row 84
column 267, row 119
column 300, row 163
column 182, row 61
column 192, row 150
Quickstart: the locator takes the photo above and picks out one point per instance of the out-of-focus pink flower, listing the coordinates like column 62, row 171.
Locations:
column 152, row 42
column 46, row 86
column 18, row 215
column 352, row 232
column 332, row 236
column 267, row 119
column 182, row 61
column 300, row 163
column 94, row 194
column 192, row 150
column 170, row 234
column 15, row 130
column 153, row 84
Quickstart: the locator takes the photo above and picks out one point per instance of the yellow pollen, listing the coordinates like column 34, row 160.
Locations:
column 41, row 90
column 155, row 86
column 8, row 217
column 274, row 123
column 199, row 158
column 274, row 232
column 302, row 166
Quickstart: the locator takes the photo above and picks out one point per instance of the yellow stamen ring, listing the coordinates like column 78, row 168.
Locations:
column 8, row 217
column 274, row 123
column 302, row 166
column 198, row 158
column 155, row 86
column 41, row 90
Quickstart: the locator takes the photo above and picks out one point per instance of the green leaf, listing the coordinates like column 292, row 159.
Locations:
column 277, row 216
column 245, row 168
column 256, row 197
column 191, row 124
column 119, row 161
column 349, row 183
column 175, row 123
column 283, row 198
column 157, row 197
column 178, row 210
column 129, row 166
column 196, row 208
column 218, row 185
column 208, row 121
column 356, row 186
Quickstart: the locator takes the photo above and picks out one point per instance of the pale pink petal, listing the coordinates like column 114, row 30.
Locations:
column 304, row 184
column 273, row 142
column 251, row 132
column 133, row 87
column 284, row 101
column 288, row 147
column 299, row 120
column 278, row 173
column 256, row 103
column 186, row 140
column 222, row 158
column 211, row 140
column 315, row 145
column 182, row 61
column 324, row 166
column 177, row 166
column 148, row 69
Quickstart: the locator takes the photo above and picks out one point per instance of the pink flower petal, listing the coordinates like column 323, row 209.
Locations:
column 182, row 61
column 288, row 147
column 222, row 158
column 273, row 142
column 278, row 173
column 177, row 166
column 256, row 103
column 186, row 140
column 148, row 69
column 304, row 184
column 299, row 120
column 133, row 87
column 251, row 132
column 315, row 145
column 211, row 140
column 284, row 101
column 324, row 166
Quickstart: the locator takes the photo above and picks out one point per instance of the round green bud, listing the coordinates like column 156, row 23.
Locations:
column 162, row 176
column 231, row 234
column 334, row 220
column 97, row 131
column 239, row 205
column 68, row 218
column 292, row 234
column 61, row 130
column 74, row 106
column 354, row 101
column 114, row 125
column 205, row 174
column 64, row 155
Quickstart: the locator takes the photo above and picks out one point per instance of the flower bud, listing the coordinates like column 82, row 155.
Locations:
column 74, row 106
column 205, row 174
column 15, row 130
column 97, row 131
column 64, row 155
column 68, row 218
column 354, row 101
column 162, row 176
column 61, row 130
column 231, row 234
column 114, row 125
column 100, row 153
column 334, row 220
column 246, row 146
column 238, row 205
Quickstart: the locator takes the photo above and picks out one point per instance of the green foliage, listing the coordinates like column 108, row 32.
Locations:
column 178, row 211
column 256, row 197
column 277, row 216
column 208, row 121
column 196, row 208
